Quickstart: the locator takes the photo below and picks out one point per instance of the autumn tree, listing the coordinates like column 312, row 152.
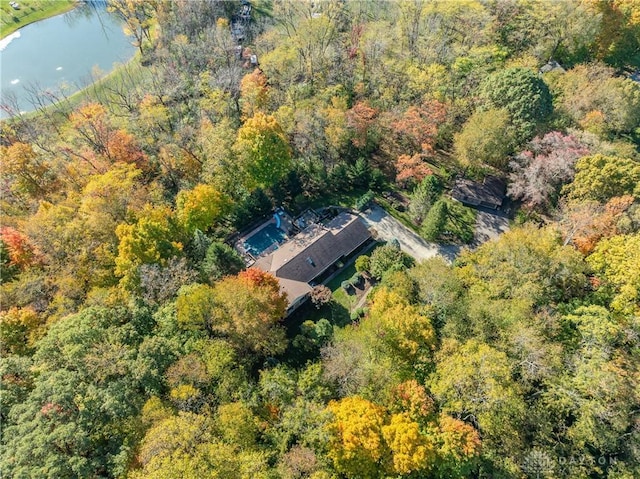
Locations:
column 411, row 138
column 474, row 380
column 411, row 450
column 91, row 127
column 410, row 397
column 320, row 295
column 159, row 284
column 459, row 447
column 31, row 173
column 246, row 309
column 150, row 240
column 263, row 152
column 357, row 447
column 585, row 223
column 362, row 122
column 254, row 93
column 538, row 172
column 138, row 18
column 618, row 39
column 19, row 248
column 20, row 328
column 593, row 97
column 486, row 138
column 411, row 169
column 616, row 261
column 600, row 178
column 406, row 329
column 200, row 207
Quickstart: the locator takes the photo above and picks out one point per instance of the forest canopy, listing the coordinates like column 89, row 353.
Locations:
column 136, row 344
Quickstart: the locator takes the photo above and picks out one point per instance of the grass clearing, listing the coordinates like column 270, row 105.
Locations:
column 30, row 11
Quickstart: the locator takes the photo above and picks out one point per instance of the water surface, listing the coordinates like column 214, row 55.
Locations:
column 61, row 53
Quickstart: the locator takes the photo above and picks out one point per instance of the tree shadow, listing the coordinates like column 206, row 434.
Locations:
column 340, row 316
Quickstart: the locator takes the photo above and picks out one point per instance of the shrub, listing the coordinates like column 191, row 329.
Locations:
column 320, row 295
column 387, row 258
column 363, row 263
column 355, row 279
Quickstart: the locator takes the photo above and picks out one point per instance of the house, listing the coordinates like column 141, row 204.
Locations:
column 490, row 193
column 301, row 261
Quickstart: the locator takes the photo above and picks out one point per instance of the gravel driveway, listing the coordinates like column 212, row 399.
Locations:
column 389, row 228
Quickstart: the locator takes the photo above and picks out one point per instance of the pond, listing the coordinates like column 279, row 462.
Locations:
column 60, row 54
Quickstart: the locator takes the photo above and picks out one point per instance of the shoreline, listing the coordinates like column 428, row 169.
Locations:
column 39, row 15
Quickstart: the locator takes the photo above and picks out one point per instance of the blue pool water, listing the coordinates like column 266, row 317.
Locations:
column 264, row 238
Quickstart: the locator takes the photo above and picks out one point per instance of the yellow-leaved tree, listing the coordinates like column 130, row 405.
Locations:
column 263, row 151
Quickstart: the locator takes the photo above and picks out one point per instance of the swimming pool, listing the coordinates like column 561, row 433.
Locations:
column 257, row 243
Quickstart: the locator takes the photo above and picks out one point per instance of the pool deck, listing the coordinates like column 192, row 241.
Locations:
column 285, row 225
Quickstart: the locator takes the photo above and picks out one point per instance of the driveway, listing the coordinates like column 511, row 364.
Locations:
column 389, row 228
column 489, row 225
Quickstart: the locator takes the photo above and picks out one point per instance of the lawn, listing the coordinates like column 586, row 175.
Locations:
column 338, row 311
column 30, row 11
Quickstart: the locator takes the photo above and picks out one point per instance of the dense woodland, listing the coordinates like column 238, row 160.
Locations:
column 135, row 345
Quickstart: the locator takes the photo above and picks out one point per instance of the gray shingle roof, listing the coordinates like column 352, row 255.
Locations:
column 312, row 251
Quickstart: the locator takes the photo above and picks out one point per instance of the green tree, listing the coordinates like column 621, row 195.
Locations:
column 79, row 419
column 221, row 260
column 423, row 197
column 435, row 221
column 523, row 94
column 237, row 424
column 184, row 446
column 387, row 258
